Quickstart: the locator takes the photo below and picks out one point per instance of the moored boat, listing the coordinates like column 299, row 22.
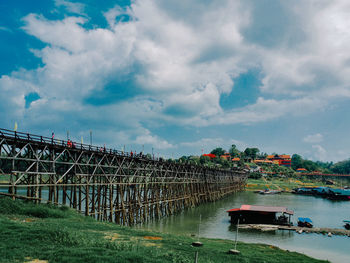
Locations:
column 305, row 222
column 340, row 194
column 347, row 224
column 326, row 192
column 269, row 192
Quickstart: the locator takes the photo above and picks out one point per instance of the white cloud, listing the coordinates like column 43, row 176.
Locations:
column 76, row 8
column 313, row 138
column 148, row 138
column 3, row 28
column 179, row 58
column 319, row 153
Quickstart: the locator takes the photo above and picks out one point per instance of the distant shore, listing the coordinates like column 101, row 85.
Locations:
column 281, row 184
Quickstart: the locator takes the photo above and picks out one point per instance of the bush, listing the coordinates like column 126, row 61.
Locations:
column 255, row 175
column 8, row 206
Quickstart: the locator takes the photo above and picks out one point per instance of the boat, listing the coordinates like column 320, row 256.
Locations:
column 269, row 192
column 303, row 191
column 325, row 192
column 347, row 224
column 340, row 194
column 305, row 222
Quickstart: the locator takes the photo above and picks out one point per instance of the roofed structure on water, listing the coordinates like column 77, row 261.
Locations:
column 256, row 214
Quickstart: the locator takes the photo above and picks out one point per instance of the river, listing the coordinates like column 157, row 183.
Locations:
column 215, row 224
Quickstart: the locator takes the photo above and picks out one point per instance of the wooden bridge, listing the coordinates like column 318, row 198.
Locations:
column 104, row 183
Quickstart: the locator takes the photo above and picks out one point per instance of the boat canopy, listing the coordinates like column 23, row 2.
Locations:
column 304, row 219
column 346, row 221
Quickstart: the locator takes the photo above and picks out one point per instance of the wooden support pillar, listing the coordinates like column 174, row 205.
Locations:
column 87, row 197
column 111, row 208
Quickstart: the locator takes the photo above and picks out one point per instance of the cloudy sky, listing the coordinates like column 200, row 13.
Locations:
column 180, row 76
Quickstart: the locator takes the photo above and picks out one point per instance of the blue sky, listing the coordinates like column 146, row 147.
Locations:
column 180, row 76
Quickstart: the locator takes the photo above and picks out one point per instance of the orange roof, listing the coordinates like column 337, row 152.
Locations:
column 236, row 159
column 285, row 156
column 301, row 169
column 270, row 156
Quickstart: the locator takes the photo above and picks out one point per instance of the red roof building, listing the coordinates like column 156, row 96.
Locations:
column 283, row 159
column 210, row 155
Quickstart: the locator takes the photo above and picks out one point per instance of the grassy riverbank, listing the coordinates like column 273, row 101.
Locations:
column 43, row 233
column 283, row 184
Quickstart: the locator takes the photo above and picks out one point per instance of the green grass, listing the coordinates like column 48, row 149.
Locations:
column 4, row 178
column 59, row 234
column 285, row 184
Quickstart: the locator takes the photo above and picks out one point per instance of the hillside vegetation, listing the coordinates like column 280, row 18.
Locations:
column 249, row 154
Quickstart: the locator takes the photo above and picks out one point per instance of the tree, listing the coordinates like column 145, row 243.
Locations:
column 342, row 167
column 261, row 155
column 251, row 152
column 218, row 151
column 297, row 161
column 204, row 159
column 234, row 151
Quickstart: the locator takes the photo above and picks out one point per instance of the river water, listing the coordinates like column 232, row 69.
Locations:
column 215, row 224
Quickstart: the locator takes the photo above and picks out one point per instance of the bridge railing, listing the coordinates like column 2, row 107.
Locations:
column 50, row 140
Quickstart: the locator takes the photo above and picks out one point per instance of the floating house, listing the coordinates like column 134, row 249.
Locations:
column 255, row 214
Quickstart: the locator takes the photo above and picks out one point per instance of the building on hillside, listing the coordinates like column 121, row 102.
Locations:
column 301, row 170
column 282, row 160
column 226, row 156
column 263, row 162
column 236, row 159
column 210, row 155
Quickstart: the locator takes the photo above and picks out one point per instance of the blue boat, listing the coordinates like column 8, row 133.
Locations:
column 347, row 224
column 305, row 222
